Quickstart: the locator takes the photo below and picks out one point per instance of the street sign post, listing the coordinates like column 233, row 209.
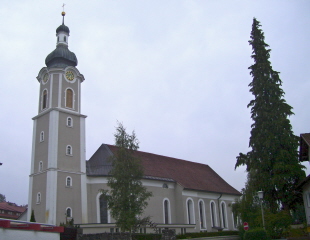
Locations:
column 245, row 226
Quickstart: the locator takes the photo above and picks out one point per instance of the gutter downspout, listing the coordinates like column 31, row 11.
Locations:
column 218, row 204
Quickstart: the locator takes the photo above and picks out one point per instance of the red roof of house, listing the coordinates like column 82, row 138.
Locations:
column 10, row 207
column 190, row 175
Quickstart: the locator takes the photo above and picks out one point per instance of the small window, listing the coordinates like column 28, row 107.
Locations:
column 213, row 214
column 68, row 182
column 308, row 198
column 69, row 150
column 190, row 212
column 65, row 39
column 223, row 208
column 42, row 136
column 40, row 166
column 69, row 98
column 69, row 212
column 44, row 99
column 58, row 39
column 165, row 185
column 38, row 198
column 69, row 122
column 166, row 211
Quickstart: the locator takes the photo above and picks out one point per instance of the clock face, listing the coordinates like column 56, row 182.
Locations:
column 45, row 78
column 69, row 75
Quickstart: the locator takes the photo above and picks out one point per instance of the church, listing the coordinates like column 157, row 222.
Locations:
column 63, row 185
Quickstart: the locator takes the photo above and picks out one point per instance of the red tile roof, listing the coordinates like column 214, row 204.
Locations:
column 190, row 175
column 10, row 207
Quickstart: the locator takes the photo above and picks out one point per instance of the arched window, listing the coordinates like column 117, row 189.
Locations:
column 190, row 211
column 223, row 211
column 58, row 39
column 42, row 136
column 40, row 166
column 38, row 198
column 167, row 211
column 44, row 99
column 69, row 212
column 68, row 182
column 69, row 122
column 69, row 150
column 65, row 39
column 69, row 98
column 103, row 209
column 202, row 216
column 213, row 214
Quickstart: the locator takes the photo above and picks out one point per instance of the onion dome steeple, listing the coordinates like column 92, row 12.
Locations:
column 61, row 56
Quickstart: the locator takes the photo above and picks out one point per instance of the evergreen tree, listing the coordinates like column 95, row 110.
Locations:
column 2, row 198
column 273, row 159
column 32, row 218
column 127, row 197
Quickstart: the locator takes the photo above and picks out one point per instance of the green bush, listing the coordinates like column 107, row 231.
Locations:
column 149, row 236
column 206, row 234
column 256, row 234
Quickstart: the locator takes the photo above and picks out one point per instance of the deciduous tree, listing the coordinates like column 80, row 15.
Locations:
column 127, row 197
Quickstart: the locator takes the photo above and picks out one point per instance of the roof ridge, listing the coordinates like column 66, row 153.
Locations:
column 164, row 156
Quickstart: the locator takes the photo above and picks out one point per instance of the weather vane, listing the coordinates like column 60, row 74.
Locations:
column 63, row 7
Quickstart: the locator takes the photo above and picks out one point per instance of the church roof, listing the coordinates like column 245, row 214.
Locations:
column 190, row 175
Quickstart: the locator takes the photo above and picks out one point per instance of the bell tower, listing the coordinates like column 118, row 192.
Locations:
column 57, row 184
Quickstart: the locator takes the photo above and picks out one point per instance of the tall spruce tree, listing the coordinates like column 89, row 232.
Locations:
column 127, row 197
column 272, row 163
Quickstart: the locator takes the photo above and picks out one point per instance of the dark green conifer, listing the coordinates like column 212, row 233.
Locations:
column 272, row 162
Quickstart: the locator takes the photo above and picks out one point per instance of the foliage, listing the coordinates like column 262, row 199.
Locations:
column 147, row 236
column 143, row 223
column 277, row 223
column 273, row 159
column 127, row 197
column 256, row 234
column 32, row 218
column 2, row 198
column 206, row 234
column 69, row 224
column 299, row 215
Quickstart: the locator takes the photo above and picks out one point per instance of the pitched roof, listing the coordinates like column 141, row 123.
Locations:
column 304, row 144
column 11, row 207
column 190, row 175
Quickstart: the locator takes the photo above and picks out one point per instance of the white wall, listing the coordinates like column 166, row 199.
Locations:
column 16, row 234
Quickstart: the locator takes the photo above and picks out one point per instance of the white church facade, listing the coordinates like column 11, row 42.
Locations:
column 64, row 185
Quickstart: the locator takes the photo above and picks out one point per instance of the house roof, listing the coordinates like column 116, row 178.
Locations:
column 190, row 175
column 304, row 144
column 10, row 207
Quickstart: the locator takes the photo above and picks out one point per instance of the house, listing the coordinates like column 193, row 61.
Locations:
column 304, row 144
column 11, row 210
column 187, row 196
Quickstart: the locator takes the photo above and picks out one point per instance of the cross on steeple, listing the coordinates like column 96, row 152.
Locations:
column 63, row 14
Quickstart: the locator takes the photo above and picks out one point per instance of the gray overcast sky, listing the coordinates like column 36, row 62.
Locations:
column 174, row 71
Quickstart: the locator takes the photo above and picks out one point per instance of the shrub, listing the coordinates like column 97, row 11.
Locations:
column 149, row 236
column 206, row 234
column 256, row 234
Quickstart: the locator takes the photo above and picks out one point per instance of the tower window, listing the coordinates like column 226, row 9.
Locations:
column 42, row 136
column 68, row 182
column 69, row 212
column 40, row 166
column 69, row 122
column 65, row 39
column 44, row 99
column 69, row 150
column 38, row 198
column 69, row 98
